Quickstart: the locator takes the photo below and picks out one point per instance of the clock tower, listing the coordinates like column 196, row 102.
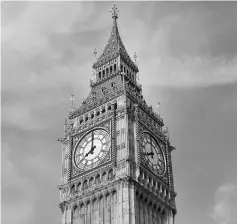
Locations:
column 116, row 155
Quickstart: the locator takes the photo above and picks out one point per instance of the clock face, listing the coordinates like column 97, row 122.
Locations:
column 92, row 149
column 153, row 154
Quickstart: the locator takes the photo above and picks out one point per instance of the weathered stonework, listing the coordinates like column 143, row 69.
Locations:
column 122, row 188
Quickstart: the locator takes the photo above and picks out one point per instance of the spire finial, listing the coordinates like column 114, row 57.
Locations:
column 95, row 53
column 72, row 98
column 114, row 12
column 135, row 57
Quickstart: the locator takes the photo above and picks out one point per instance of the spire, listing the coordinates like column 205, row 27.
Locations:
column 115, row 45
column 114, row 12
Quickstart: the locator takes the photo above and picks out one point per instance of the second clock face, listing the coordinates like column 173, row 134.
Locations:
column 92, row 149
column 153, row 154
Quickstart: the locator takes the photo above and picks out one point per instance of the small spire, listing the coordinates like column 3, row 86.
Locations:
column 114, row 12
column 135, row 57
column 95, row 54
column 72, row 98
column 65, row 125
column 158, row 106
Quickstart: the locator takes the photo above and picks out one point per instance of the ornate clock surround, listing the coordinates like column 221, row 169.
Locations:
column 108, row 126
column 160, row 150
column 144, row 126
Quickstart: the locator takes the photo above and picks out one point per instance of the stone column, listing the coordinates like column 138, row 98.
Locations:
column 120, row 205
column 145, row 212
column 149, row 213
column 132, row 203
column 159, row 218
column 126, row 206
column 106, row 210
column 70, row 214
column 101, row 210
column 137, row 215
column 96, row 211
column 81, row 215
column 113, row 211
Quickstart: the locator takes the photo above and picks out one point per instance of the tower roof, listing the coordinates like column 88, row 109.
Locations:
column 115, row 45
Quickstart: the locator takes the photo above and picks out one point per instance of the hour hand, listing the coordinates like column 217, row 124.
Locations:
column 87, row 153
column 150, row 154
column 92, row 149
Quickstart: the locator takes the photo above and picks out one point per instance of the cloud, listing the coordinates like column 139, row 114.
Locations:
column 224, row 211
column 184, row 47
column 178, row 55
column 17, row 192
column 28, row 32
column 37, row 70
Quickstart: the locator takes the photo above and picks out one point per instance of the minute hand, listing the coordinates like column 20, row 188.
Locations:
column 92, row 146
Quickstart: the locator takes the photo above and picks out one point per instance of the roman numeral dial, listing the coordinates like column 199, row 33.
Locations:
column 153, row 154
column 92, row 149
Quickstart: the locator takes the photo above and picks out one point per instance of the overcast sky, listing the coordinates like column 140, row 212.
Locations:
column 187, row 56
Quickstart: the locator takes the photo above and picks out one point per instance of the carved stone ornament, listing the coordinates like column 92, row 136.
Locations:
column 144, row 161
column 76, row 140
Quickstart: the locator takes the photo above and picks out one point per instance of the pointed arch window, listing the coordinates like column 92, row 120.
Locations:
column 97, row 179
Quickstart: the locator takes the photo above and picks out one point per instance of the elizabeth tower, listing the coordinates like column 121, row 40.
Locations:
column 116, row 155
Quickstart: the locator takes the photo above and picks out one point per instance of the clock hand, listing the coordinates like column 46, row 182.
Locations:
column 87, row 154
column 152, row 153
column 92, row 149
column 92, row 139
column 92, row 144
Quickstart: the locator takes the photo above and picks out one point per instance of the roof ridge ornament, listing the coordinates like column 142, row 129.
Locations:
column 114, row 12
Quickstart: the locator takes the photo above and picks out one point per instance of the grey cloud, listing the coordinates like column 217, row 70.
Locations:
column 39, row 77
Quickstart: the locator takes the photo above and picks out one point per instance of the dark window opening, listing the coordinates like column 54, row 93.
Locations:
column 79, row 186
column 85, row 185
column 97, row 179
column 104, row 177
column 110, row 175
column 91, row 182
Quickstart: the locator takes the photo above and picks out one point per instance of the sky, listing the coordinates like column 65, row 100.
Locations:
column 187, row 57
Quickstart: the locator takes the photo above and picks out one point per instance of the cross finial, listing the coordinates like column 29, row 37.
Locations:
column 114, row 12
